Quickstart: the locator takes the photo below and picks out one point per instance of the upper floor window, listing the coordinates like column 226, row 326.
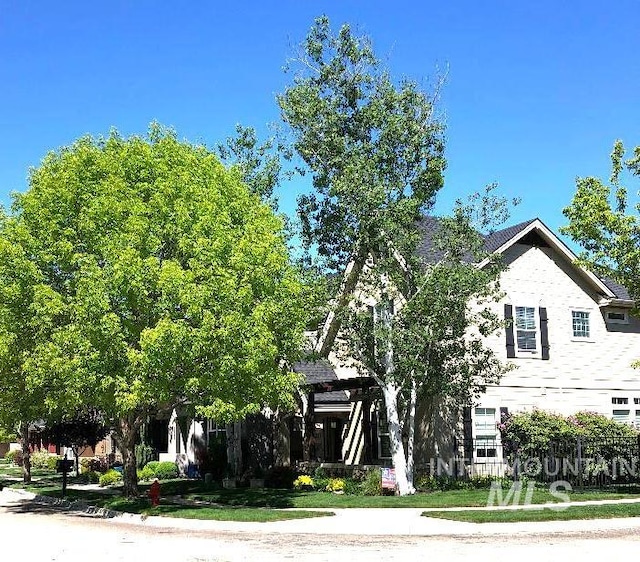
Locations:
column 618, row 400
column 617, row 317
column 580, row 322
column 526, row 328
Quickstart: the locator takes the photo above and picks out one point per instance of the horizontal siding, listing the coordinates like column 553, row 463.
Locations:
column 580, row 375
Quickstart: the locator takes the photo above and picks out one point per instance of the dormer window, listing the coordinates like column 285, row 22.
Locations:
column 617, row 317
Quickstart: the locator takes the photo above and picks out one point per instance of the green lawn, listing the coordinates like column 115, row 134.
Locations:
column 453, row 498
column 545, row 514
column 110, row 498
column 248, row 504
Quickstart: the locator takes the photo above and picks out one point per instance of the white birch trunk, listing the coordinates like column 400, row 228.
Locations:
column 390, row 393
column 411, row 432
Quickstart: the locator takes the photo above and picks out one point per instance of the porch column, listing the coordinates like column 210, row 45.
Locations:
column 309, row 443
column 367, row 456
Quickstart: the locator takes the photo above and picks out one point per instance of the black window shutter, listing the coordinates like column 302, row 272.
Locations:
column 544, row 333
column 508, row 316
column 467, row 432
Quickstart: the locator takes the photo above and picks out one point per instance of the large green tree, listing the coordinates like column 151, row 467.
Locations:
column 174, row 282
column 29, row 309
column 375, row 150
column 605, row 221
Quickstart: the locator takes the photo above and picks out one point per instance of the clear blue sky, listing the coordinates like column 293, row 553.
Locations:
column 537, row 91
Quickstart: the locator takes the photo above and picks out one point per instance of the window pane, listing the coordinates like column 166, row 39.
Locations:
column 525, row 318
column 526, row 340
column 621, row 415
column 580, row 324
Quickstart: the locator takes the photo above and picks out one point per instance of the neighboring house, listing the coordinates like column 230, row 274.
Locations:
column 571, row 337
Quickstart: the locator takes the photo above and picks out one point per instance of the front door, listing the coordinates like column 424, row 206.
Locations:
column 333, row 439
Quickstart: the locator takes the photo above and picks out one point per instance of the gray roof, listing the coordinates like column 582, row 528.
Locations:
column 331, row 397
column 618, row 290
column 429, row 226
column 315, row 371
column 496, row 239
column 492, row 242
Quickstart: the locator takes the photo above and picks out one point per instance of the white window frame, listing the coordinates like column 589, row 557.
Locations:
column 214, row 429
column 589, row 313
column 485, row 428
column 536, row 331
column 623, row 320
column 621, row 416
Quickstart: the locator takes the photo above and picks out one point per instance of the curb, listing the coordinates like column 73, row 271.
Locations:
column 70, row 505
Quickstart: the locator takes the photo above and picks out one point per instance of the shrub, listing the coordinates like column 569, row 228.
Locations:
column 335, row 485
column 352, row 486
column 152, row 466
column 372, row 483
column 279, row 477
column 93, row 464
column 110, row 477
column 89, row 477
column 304, row 481
column 166, row 470
column 145, row 454
column 146, row 474
column 528, row 433
column 44, row 460
column 14, row 456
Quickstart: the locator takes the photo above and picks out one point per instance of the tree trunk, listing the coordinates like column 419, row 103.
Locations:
column 234, row 449
column 127, row 434
column 411, row 432
column 76, row 455
column 26, row 452
column 390, row 393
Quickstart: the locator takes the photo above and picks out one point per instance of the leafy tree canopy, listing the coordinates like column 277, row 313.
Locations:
column 163, row 280
column 604, row 220
column 375, row 150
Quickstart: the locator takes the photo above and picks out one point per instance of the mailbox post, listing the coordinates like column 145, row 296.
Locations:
column 64, row 466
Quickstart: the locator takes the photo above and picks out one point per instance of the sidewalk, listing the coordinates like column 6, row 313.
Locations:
column 379, row 522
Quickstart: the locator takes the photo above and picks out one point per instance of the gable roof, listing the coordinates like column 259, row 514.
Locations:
column 501, row 240
column 498, row 238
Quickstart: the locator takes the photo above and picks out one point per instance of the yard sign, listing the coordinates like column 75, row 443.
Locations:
column 388, row 478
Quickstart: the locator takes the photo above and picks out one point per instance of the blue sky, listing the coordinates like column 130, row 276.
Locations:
column 537, row 92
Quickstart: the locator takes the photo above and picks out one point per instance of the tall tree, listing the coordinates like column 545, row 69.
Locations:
column 606, row 223
column 29, row 309
column 375, row 151
column 174, row 278
column 78, row 431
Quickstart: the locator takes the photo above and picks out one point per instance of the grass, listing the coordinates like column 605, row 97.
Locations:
column 276, row 498
column 544, row 514
column 294, row 499
column 248, row 504
column 110, row 498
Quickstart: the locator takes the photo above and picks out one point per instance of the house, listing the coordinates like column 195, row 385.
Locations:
column 571, row 336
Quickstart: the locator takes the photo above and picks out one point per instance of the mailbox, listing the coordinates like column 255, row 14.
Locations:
column 64, row 465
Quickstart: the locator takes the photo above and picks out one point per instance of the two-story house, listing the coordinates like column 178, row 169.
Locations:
column 570, row 335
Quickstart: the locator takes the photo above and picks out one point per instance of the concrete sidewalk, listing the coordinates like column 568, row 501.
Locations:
column 354, row 521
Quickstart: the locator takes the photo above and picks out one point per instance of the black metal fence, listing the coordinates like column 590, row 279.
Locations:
column 583, row 462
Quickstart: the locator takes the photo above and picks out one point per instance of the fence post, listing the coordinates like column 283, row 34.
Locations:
column 579, row 446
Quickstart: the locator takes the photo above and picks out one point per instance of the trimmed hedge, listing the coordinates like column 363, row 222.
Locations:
column 110, row 477
column 164, row 470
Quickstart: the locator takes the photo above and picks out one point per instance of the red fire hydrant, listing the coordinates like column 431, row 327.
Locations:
column 154, row 493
